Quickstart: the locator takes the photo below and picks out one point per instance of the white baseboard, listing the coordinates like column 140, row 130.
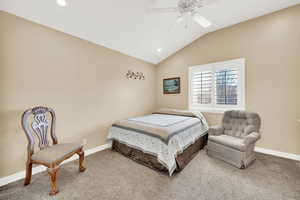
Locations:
column 20, row 175
column 278, row 153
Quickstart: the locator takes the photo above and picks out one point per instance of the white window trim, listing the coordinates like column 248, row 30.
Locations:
column 237, row 64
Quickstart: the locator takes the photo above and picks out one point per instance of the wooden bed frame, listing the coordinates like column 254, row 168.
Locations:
column 151, row 161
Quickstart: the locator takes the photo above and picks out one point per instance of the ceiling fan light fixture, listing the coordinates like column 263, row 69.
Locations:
column 201, row 20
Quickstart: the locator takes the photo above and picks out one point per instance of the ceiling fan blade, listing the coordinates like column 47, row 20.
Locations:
column 202, row 3
column 179, row 19
column 163, row 10
column 201, row 20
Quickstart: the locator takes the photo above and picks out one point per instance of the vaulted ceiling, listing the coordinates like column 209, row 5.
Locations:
column 129, row 27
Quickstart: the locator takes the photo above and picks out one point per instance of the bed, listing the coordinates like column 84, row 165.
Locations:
column 165, row 141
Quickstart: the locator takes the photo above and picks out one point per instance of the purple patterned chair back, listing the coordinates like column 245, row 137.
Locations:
column 39, row 126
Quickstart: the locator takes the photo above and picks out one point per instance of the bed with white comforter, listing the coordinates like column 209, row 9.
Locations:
column 164, row 134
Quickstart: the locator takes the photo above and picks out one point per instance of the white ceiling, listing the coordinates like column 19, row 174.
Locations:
column 127, row 26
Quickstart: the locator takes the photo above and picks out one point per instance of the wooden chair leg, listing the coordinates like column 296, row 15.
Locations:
column 28, row 173
column 52, row 174
column 81, row 159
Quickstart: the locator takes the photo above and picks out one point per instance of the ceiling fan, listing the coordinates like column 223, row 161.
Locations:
column 188, row 9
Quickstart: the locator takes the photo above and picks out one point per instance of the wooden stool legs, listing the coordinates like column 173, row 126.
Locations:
column 52, row 174
column 52, row 171
column 28, row 173
column 81, row 159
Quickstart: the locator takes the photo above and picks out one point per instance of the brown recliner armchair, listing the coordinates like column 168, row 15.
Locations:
column 49, row 155
column 235, row 139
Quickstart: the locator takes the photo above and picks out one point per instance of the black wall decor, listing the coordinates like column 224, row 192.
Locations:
column 135, row 75
column 171, row 85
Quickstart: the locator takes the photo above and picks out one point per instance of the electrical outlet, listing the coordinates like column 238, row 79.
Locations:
column 84, row 141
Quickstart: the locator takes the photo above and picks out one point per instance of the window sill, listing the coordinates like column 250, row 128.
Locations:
column 217, row 110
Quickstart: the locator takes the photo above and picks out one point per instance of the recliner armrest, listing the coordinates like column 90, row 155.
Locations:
column 216, row 130
column 252, row 138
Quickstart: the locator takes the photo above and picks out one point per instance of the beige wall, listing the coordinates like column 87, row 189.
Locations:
column 84, row 83
column 271, row 46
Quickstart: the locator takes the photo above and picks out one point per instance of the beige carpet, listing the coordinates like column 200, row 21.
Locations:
column 112, row 176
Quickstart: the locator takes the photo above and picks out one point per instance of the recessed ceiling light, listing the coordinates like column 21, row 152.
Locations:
column 159, row 50
column 61, row 3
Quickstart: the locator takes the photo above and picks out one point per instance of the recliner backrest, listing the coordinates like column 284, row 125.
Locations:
column 240, row 123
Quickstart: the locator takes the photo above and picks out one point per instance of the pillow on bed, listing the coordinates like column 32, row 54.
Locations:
column 188, row 113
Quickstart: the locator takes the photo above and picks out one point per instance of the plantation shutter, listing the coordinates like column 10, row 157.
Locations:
column 217, row 87
column 202, row 82
column 226, row 87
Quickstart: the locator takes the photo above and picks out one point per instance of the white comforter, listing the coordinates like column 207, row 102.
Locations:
column 166, row 151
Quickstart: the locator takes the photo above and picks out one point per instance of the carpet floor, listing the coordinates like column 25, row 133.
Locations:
column 109, row 175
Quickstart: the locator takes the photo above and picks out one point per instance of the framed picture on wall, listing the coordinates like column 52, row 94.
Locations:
column 171, row 85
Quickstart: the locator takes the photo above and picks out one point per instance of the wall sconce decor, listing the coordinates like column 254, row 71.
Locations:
column 135, row 75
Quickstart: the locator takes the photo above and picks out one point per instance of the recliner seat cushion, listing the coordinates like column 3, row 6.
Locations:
column 55, row 153
column 233, row 142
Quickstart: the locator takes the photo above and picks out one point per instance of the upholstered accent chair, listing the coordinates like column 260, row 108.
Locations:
column 235, row 139
column 49, row 155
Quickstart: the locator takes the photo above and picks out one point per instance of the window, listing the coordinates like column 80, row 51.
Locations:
column 217, row 87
